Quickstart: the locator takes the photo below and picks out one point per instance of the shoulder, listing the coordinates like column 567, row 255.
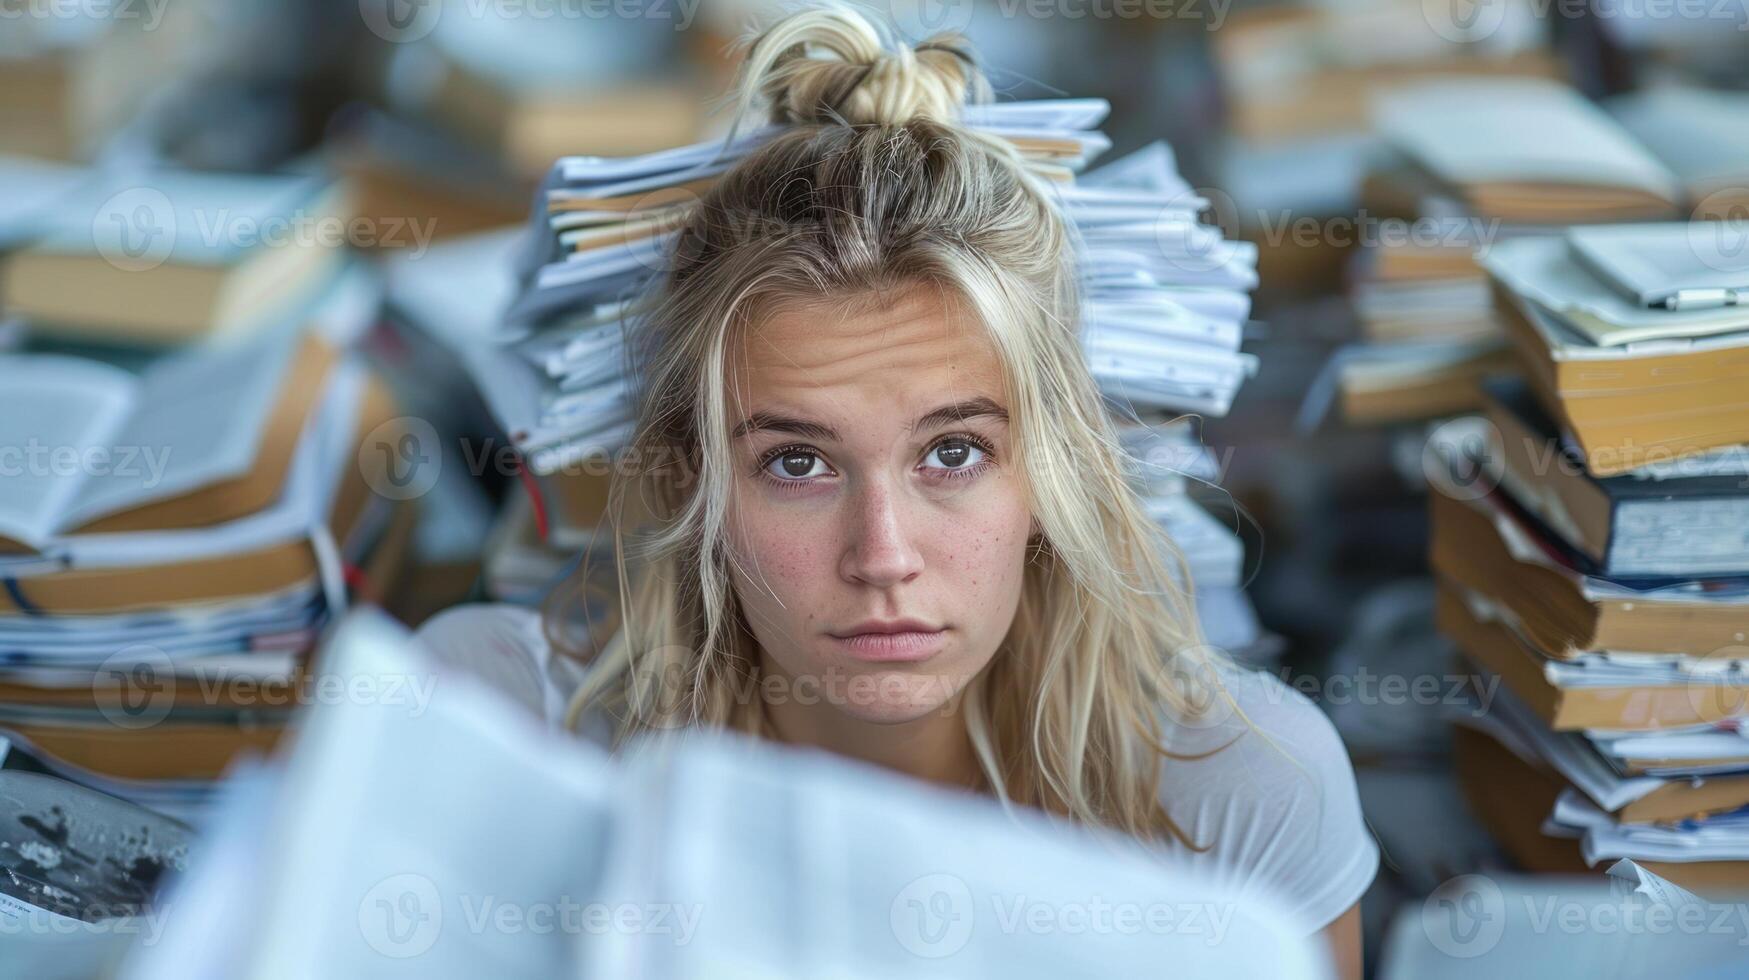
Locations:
column 1263, row 782
column 506, row 647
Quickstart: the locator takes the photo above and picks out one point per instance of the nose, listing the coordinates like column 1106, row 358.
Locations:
column 881, row 551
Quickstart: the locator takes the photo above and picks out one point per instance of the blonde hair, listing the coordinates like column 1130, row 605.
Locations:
column 874, row 186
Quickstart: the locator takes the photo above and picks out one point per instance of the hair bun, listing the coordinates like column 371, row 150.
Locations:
column 832, row 65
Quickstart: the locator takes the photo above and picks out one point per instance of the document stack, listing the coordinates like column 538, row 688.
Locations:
column 1476, row 162
column 1603, row 580
column 1170, row 462
column 171, row 543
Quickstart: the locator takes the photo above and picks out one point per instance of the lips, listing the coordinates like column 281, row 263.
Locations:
column 893, row 641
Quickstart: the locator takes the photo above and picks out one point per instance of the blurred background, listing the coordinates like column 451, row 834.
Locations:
column 420, row 131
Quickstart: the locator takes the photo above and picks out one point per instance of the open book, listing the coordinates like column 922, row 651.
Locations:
column 196, row 439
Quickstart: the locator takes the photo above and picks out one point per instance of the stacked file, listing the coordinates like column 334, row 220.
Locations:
column 1166, row 297
column 1474, row 163
column 1612, row 612
column 171, row 543
column 1633, row 339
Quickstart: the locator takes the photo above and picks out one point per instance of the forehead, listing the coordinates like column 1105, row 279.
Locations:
column 899, row 349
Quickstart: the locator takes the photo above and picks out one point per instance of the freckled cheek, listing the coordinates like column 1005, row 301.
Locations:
column 787, row 550
column 984, row 555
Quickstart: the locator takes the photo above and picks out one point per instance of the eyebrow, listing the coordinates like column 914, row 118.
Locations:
column 972, row 408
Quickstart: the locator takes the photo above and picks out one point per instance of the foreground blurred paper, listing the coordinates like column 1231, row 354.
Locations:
column 452, row 838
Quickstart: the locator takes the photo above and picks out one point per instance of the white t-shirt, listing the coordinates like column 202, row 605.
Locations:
column 1283, row 818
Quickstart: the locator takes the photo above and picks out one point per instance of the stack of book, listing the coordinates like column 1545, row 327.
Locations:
column 70, row 77
column 1594, row 559
column 1476, row 162
column 1631, row 337
column 157, row 258
column 528, row 90
column 1298, row 82
column 195, row 473
column 1298, row 70
column 172, row 541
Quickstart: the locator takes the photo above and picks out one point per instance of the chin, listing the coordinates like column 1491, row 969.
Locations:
column 903, row 697
column 889, row 696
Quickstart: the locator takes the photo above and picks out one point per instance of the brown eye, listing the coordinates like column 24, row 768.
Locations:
column 793, row 465
column 956, row 454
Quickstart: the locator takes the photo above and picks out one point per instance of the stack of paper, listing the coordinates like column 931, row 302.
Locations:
column 711, row 855
column 1613, row 614
column 1169, row 462
column 1298, row 81
column 172, row 541
column 1524, row 151
column 1166, row 296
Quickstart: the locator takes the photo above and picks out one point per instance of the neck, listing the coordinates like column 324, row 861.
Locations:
column 934, row 747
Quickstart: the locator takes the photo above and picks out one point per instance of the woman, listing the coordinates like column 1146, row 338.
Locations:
column 901, row 529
